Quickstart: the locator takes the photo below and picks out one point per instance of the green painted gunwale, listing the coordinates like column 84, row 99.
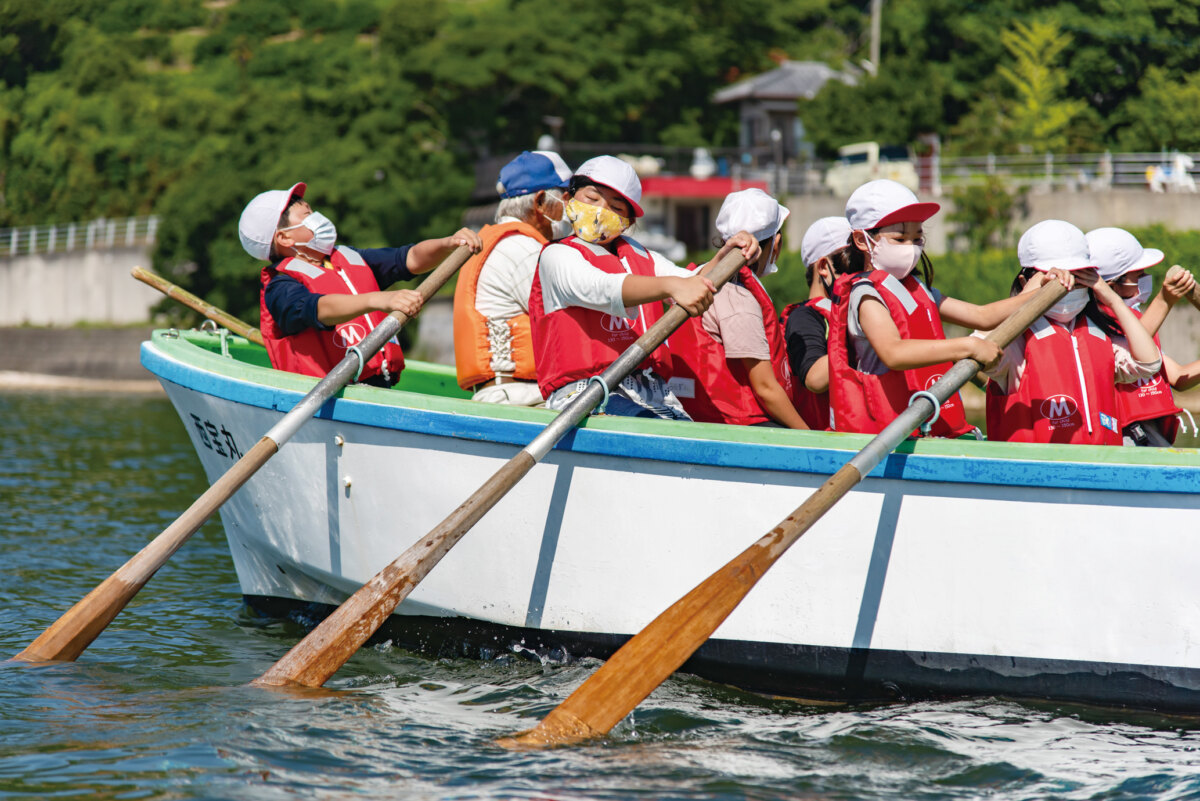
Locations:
column 432, row 387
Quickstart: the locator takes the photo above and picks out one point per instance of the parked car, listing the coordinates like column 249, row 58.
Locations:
column 866, row 161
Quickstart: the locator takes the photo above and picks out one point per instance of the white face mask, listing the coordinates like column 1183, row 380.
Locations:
column 1145, row 284
column 560, row 228
column 1069, row 307
column 771, row 267
column 895, row 258
column 324, row 233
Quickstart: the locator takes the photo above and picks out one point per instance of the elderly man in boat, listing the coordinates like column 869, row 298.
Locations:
column 493, row 343
column 319, row 298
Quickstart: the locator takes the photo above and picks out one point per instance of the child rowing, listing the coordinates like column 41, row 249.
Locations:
column 1146, row 408
column 825, row 252
column 730, row 365
column 320, row 298
column 597, row 291
column 886, row 340
column 1057, row 383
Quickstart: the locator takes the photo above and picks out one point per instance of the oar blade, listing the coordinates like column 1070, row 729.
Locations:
column 658, row 650
column 79, row 626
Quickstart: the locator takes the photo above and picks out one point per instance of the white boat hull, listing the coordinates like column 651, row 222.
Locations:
column 935, row 581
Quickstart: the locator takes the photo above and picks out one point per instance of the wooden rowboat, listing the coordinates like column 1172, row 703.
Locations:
column 956, row 568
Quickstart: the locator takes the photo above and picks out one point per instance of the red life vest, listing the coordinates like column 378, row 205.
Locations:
column 812, row 406
column 575, row 343
column 1148, row 398
column 866, row 403
column 315, row 352
column 1066, row 394
column 714, row 389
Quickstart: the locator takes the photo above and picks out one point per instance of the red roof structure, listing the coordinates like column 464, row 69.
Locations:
column 686, row 186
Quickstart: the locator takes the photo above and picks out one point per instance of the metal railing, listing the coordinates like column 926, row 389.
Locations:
column 1160, row 172
column 63, row 237
column 1164, row 171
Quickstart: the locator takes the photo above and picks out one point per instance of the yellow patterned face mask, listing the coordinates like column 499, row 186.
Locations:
column 595, row 224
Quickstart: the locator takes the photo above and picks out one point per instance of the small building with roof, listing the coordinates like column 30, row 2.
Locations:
column 768, row 103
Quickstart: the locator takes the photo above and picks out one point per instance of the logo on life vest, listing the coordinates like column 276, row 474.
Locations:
column 1148, row 386
column 349, row 335
column 1059, row 410
column 933, row 380
column 613, row 324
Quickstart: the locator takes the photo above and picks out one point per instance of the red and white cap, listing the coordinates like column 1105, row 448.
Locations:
column 885, row 202
column 1054, row 243
column 827, row 235
column 753, row 211
column 1116, row 252
column 617, row 175
column 260, row 219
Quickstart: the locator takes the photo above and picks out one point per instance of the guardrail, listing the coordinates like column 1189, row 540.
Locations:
column 1163, row 171
column 1160, row 172
column 63, row 237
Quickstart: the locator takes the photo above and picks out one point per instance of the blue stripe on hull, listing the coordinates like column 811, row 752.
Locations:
column 975, row 469
column 801, row 671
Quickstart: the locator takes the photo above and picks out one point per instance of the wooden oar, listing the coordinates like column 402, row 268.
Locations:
column 68, row 636
column 327, row 647
column 658, row 650
column 198, row 304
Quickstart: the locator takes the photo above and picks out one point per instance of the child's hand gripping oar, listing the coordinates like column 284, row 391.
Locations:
column 657, row 651
column 327, row 647
column 68, row 636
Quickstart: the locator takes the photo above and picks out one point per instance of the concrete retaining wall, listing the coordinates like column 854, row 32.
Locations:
column 63, row 289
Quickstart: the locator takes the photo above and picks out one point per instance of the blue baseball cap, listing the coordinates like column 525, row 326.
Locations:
column 531, row 172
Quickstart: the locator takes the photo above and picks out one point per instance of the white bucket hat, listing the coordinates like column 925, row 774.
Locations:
column 884, row 202
column 1054, row 243
column 825, row 236
column 617, row 176
column 753, row 211
column 260, row 219
column 1116, row 252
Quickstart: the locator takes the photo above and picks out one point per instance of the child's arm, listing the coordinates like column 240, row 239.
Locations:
column 1181, row 376
column 1173, row 290
column 1141, row 344
column 817, row 378
column 694, row 294
column 335, row 309
column 988, row 316
column 771, row 395
column 905, row 354
column 429, row 253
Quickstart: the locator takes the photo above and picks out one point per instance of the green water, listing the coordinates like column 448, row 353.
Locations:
column 157, row 707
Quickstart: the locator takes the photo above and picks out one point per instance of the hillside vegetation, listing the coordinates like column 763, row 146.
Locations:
column 187, row 109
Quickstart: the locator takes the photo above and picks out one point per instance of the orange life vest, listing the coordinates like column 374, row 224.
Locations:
column 472, row 348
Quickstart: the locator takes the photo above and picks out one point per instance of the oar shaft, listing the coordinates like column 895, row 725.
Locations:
column 75, row 630
column 313, row 660
column 198, row 304
column 646, row 660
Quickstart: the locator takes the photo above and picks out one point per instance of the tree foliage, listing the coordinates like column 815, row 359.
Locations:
column 189, row 108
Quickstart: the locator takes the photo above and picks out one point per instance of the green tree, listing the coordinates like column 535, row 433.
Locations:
column 1166, row 114
column 1040, row 116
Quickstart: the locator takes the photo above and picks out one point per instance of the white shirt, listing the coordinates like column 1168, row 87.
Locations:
column 569, row 280
column 504, row 280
